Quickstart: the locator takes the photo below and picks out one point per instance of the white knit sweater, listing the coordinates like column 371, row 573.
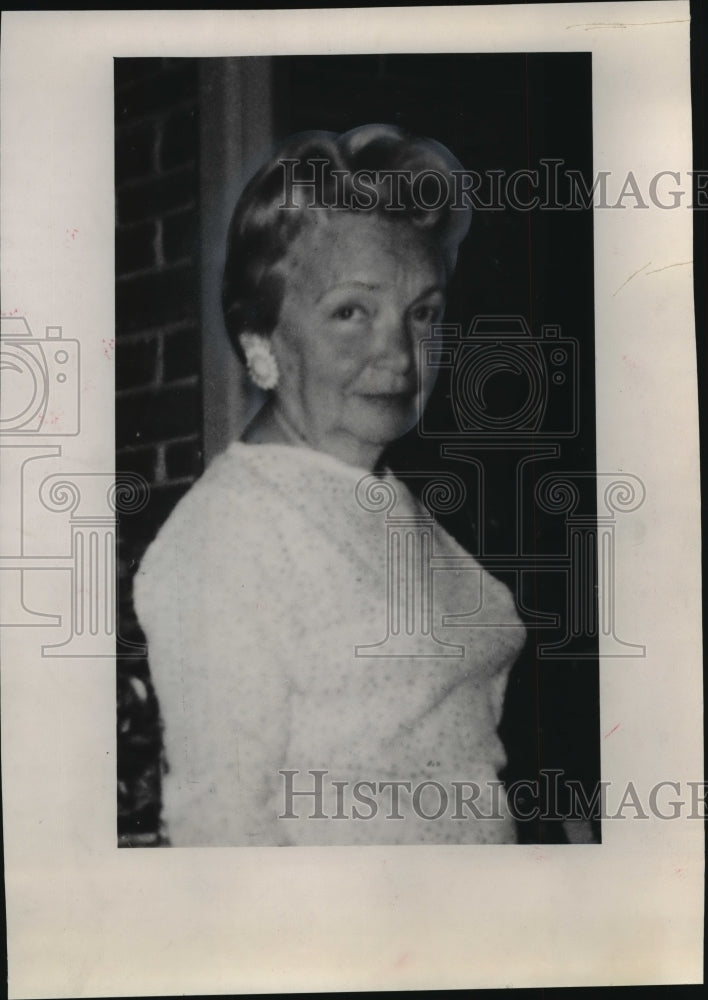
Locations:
column 262, row 598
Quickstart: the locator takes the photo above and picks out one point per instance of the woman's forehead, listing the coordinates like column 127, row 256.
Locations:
column 334, row 241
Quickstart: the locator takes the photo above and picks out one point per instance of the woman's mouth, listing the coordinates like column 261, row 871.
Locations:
column 399, row 390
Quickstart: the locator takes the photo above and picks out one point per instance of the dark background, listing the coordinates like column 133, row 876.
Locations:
column 495, row 112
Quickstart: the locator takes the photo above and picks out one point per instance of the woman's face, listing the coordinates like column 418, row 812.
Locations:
column 361, row 292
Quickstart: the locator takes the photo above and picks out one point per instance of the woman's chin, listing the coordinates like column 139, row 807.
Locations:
column 385, row 418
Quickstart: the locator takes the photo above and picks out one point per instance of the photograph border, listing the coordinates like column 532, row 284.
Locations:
column 85, row 919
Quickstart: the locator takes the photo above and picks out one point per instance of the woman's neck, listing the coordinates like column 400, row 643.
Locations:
column 272, row 426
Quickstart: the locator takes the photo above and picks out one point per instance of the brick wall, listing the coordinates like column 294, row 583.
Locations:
column 158, row 368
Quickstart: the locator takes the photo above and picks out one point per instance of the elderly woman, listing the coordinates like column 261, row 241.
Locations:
column 265, row 596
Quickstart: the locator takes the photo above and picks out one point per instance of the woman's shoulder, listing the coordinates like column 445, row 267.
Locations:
column 227, row 483
column 224, row 507
column 210, row 507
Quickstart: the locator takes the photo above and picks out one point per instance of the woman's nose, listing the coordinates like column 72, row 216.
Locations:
column 394, row 345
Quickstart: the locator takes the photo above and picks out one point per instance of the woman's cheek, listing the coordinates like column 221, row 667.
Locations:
column 427, row 377
column 340, row 361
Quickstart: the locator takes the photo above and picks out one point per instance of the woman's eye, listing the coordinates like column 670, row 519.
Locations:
column 425, row 314
column 348, row 312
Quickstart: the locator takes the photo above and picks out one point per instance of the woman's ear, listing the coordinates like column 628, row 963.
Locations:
column 260, row 360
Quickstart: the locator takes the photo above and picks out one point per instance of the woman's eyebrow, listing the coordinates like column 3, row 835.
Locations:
column 432, row 290
column 370, row 286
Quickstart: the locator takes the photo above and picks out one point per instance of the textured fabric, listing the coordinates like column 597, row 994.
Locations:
column 263, row 598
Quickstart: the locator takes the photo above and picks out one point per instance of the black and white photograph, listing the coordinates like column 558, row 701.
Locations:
column 351, row 498
column 371, row 615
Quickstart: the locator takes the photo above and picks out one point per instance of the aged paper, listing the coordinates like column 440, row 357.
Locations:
column 88, row 919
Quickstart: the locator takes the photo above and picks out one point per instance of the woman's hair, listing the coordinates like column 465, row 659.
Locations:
column 374, row 168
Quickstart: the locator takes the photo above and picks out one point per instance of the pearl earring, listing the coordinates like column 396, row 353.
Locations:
column 260, row 360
